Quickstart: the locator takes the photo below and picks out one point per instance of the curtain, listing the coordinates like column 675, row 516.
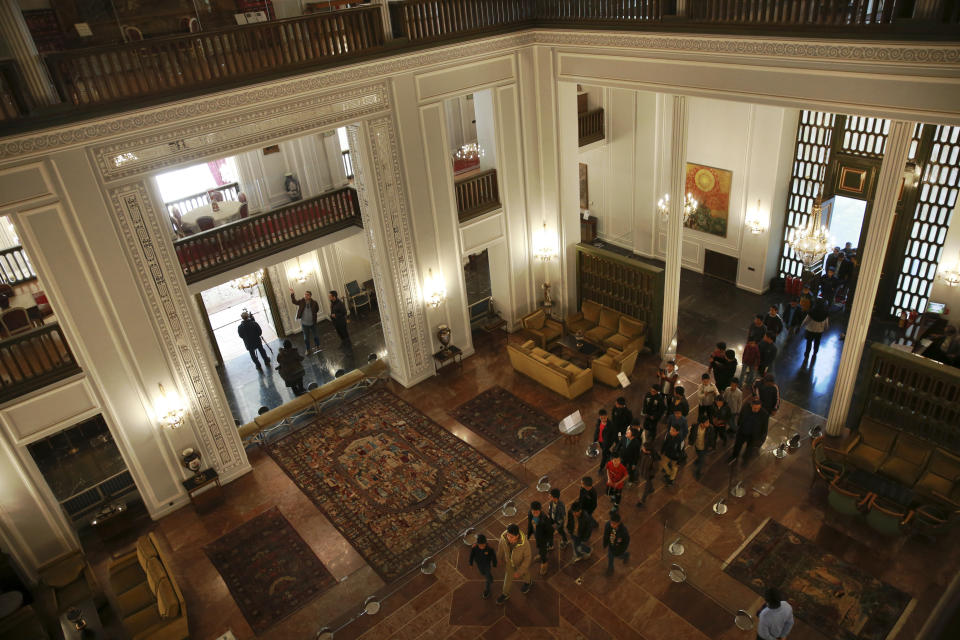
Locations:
column 215, row 167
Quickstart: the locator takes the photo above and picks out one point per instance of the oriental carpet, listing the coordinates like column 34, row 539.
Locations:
column 397, row 485
column 830, row 595
column 509, row 423
column 269, row 569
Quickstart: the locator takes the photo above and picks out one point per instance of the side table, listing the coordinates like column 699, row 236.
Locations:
column 205, row 482
column 445, row 356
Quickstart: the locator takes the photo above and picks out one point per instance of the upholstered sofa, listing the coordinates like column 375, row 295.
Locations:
column 542, row 328
column 148, row 599
column 871, row 445
column 549, row 370
column 606, row 327
column 606, row 367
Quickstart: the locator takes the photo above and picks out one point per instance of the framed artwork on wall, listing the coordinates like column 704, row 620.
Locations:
column 710, row 187
column 584, row 193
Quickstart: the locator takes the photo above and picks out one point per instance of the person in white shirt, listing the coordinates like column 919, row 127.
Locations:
column 733, row 396
column 706, row 395
column 775, row 619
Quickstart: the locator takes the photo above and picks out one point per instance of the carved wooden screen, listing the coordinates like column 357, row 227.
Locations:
column 622, row 283
column 863, row 136
column 810, row 162
column 915, row 394
column 936, row 200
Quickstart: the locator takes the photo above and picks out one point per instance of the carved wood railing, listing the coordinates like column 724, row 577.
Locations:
column 599, row 10
column 590, row 126
column 222, row 248
column 230, row 192
column 805, row 12
column 432, row 19
column 476, row 195
column 33, row 360
column 15, row 267
column 159, row 65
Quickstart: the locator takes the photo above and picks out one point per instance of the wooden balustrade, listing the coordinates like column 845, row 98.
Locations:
column 798, row 12
column 230, row 192
column 33, row 360
column 432, row 19
column 15, row 266
column 222, row 248
column 197, row 60
column 599, row 10
column 590, row 126
column 477, row 195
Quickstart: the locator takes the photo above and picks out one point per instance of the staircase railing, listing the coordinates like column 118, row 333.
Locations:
column 33, row 360
column 477, row 195
column 222, row 248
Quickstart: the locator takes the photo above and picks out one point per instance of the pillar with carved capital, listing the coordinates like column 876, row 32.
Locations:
column 873, row 252
column 14, row 31
column 671, row 284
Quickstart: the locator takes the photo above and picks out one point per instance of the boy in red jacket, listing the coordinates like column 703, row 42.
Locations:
column 617, row 475
column 751, row 361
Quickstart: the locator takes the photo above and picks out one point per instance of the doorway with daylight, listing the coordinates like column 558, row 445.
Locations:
column 846, row 221
column 224, row 305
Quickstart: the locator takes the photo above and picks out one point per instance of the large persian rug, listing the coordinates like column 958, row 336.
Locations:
column 830, row 595
column 512, row 425
column 396, row 484
column 270, row 571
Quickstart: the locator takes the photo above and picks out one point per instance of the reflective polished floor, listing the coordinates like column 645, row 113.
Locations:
column 572, row 600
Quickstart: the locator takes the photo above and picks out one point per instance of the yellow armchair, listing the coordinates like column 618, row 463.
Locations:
column 871, row 446
column 541, row 328
column 606, row 367
column 68, row 580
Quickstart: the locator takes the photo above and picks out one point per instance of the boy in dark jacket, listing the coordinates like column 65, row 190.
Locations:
column 540, row 528
column 605, row 435
column 647, row 469
column 616, row 539
column 724, row 371
column 558, row 515
column 653, row 410
column 721, row 419
column 672, row 452
column 588, row 495
column 620, row 415
column 580, row 525
column 630, row 451
column 486, row 559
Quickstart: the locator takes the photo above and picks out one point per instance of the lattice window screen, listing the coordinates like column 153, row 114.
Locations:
column 931, row 218
column 810, row 161
column 866, row 137
column 915, row 142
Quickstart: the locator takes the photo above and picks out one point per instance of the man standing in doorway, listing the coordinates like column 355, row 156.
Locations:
column 307, row 310
column 338, row 314
column 250, row 332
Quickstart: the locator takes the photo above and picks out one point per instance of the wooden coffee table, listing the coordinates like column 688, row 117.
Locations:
column 566, row 348
column 94, row 628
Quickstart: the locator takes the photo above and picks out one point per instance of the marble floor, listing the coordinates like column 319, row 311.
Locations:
column 572, row 600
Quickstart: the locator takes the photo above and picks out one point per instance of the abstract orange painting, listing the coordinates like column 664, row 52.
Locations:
column 710, row 187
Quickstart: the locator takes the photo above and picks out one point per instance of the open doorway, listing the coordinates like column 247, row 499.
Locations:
column 224, row 305
column 846, row 221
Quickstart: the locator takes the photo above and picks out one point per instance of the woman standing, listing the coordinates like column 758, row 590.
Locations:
column 814, row 325
column 289, row 364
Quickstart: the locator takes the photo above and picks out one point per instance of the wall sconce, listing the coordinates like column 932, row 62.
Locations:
column 434, row 292
column 756, row 222
column 690, row 205
column 949, row 274
column 544, row 247
column 170, row 409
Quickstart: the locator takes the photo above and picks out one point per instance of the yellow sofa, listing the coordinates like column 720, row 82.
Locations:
column 871, row 445
column 148, row 599
column 607, row 327
column 606, row 367
column 549, row 370
column 542, row 328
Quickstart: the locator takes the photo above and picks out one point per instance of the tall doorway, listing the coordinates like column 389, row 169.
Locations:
column 846, row 221
column 223, row 305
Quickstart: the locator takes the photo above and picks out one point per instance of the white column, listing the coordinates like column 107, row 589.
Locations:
column 671, row 284
column 14, row 31
column 873, row 252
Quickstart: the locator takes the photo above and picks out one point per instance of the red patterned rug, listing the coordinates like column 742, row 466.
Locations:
column 396, row 484
column 509, row 423
column 270, row 571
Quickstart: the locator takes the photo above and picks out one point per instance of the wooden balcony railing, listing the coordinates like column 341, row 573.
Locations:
column 197, row 60
column 15, row 267
column 477, row 195
column 798, row 12
column 222, row 248
column 230, row 192
column 33, row 360
column 599, row 10
column 432, row 19
column 590, row 126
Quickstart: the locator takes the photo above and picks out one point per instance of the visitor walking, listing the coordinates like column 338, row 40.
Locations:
column 338, row 315
column 769, row 393
column 704, row 439
column 557, row 513
column 757, row 329
column 678, row 422
column 793, row 316
column 580, row 524
column 514, row 554
column 725, row 370
column 616, row 478
column 605, row 435
column 768, row 353
column 620, row 416
column 616, row 540
column 706, row 396
column 671, row 452
column 733, row 397
column 813, row 327
column 630, row 451
column 250, row 332
column 668, row 375
column 721, row 419
column 773, row 322
column 751, row 363
column 653, row 410
column 307, row 311
column 290, row 367
column 752, row 431
column 486, row 559
column 540, row 528
column 588, row 495
column 646, row 470
column 775, row 619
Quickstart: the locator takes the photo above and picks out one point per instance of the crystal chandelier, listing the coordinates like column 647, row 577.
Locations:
column 471, row 151
column 812, row 242
column 248, row 281
column 950, row 275
column 690, row 205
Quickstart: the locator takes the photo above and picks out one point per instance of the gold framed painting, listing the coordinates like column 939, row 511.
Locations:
column 710, row 187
